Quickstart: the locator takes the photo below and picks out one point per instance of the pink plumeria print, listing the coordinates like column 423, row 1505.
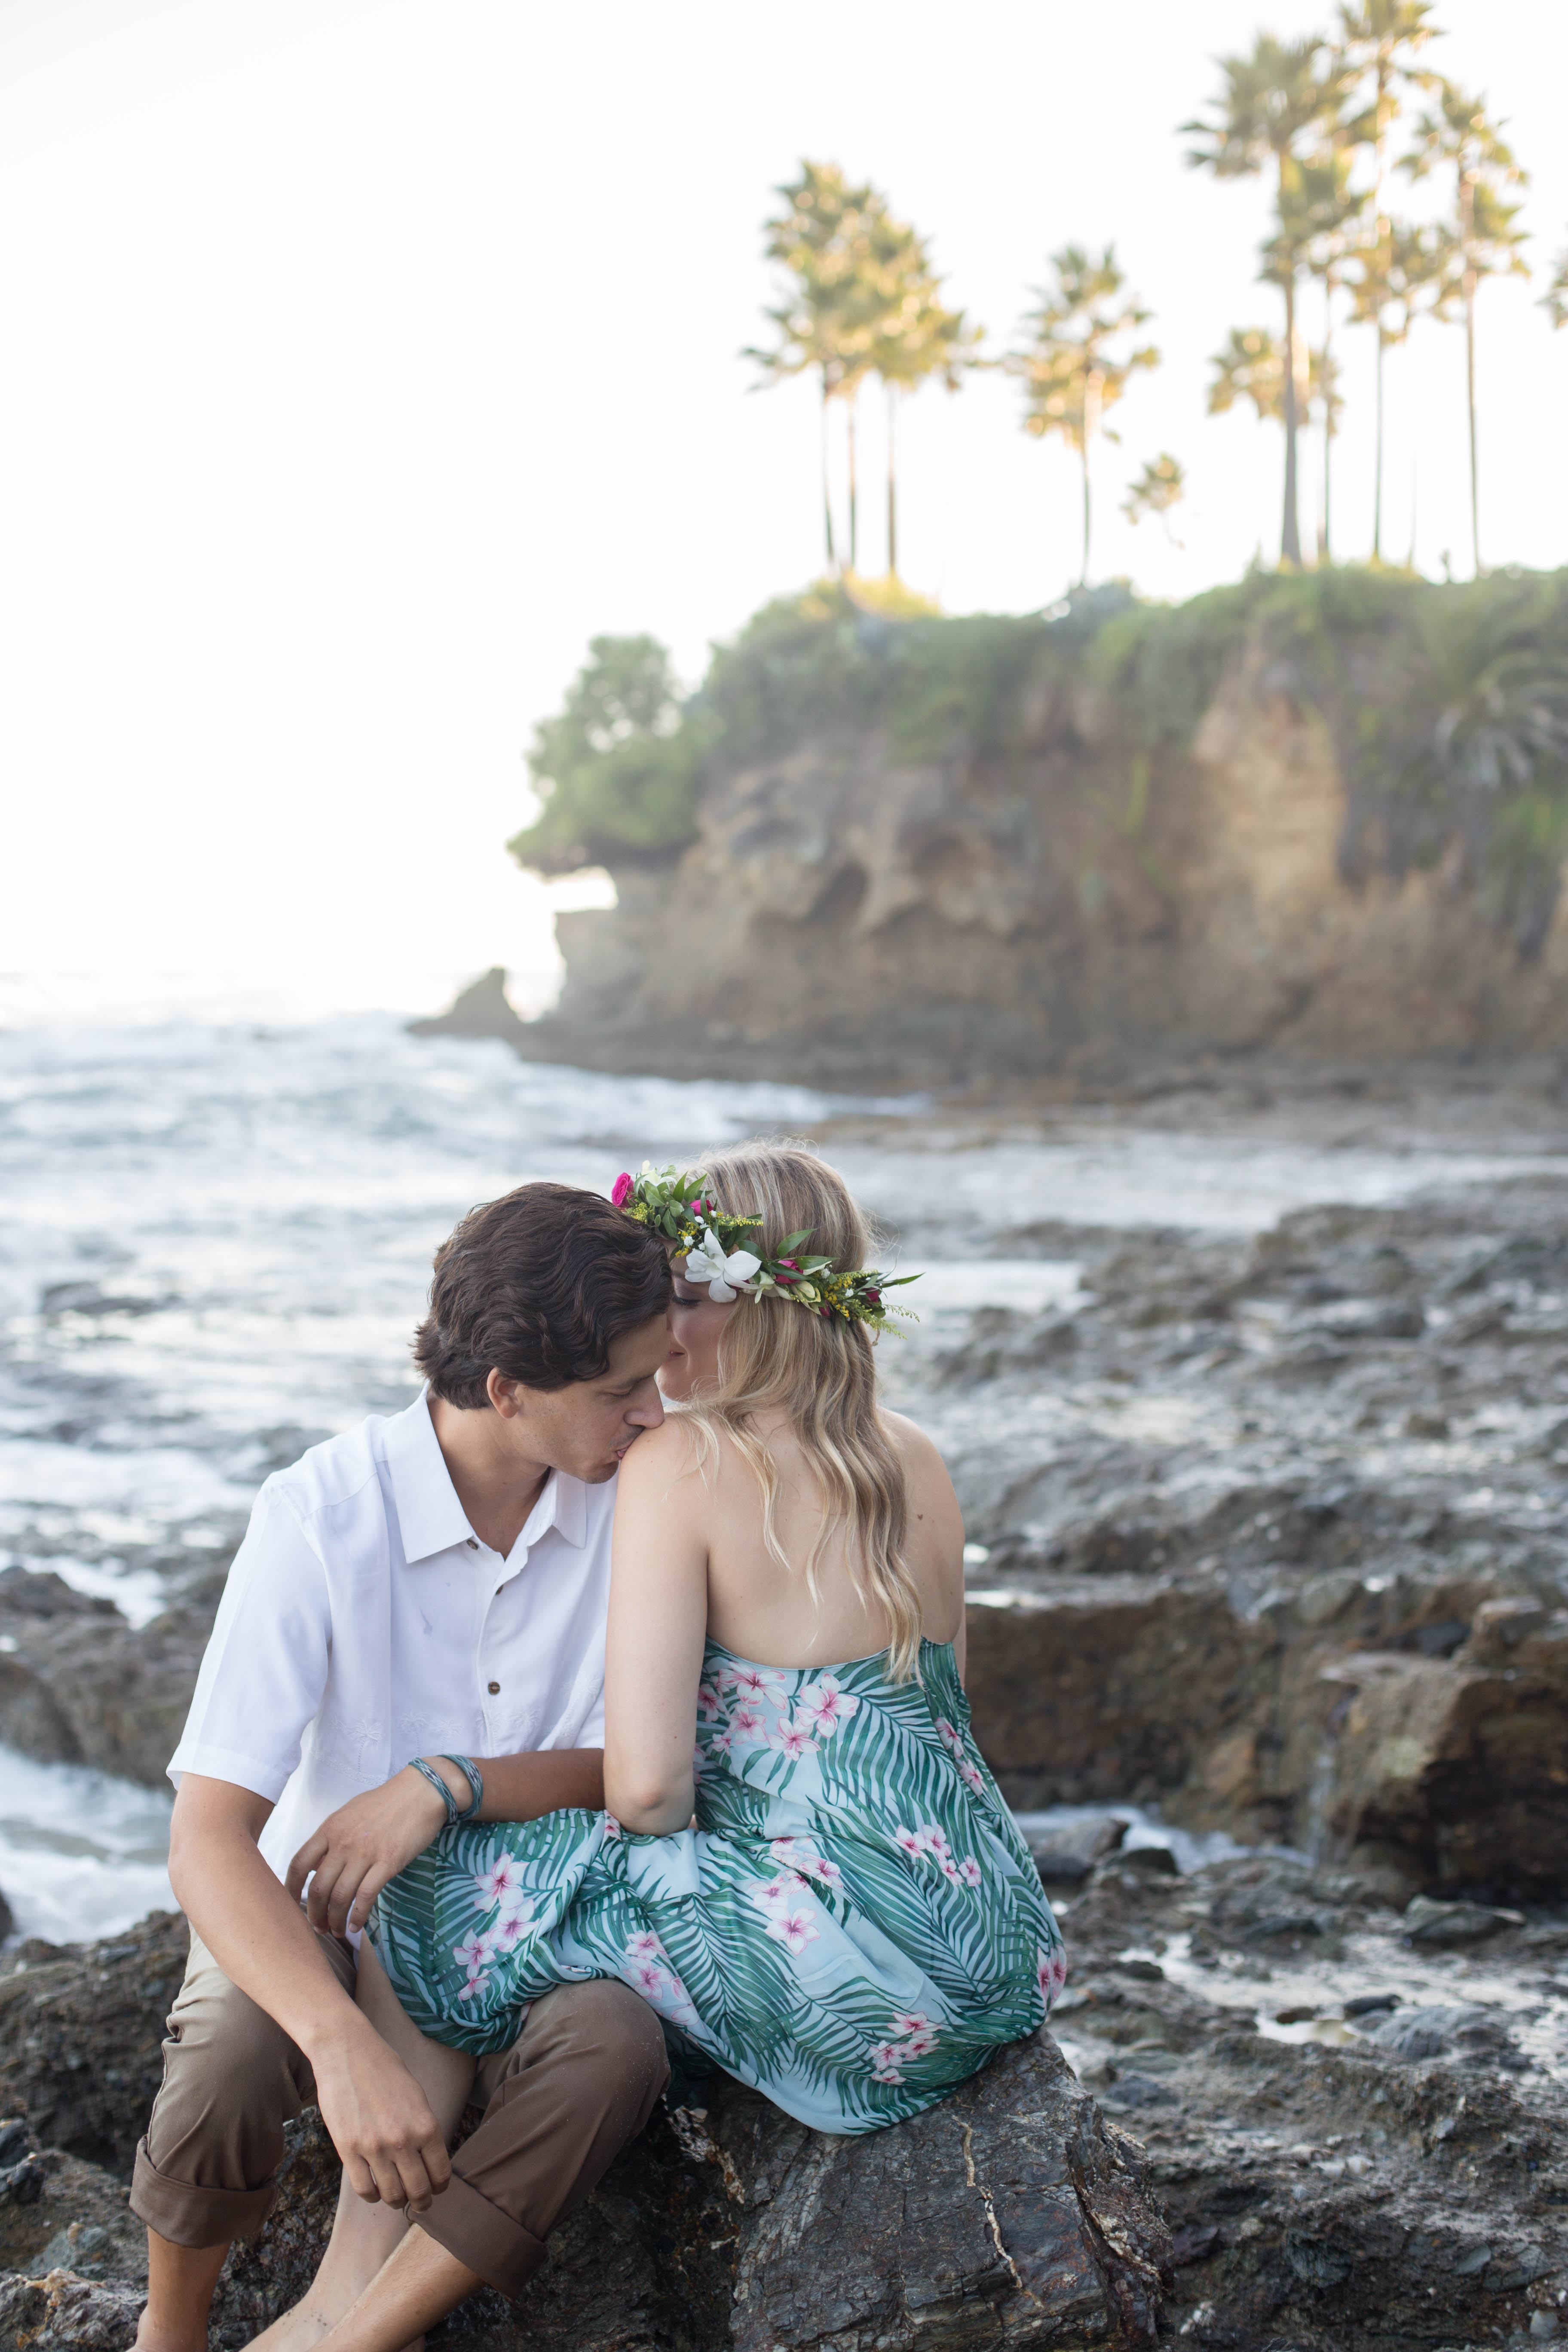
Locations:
column 780, row 1890
column 502, row 1879
column 646, row 1978
column 748, row 1725
column 794, row 1929
column 825, row 1704
column 709, row 1701
column 883, row 2054
column 935, row 1842
column 921, row 2044
column 511, row 1928
column 947, row 1735
column 968, row 1870
column 793, row 1740
column 473, row 1952
column 645, row 1945
column 972, row 1780
column 752, row 1683
column 798, row 1854
column 912, row 1843
column 612, row 1826
column 911, row 2021
column 475, row 1985
column 950, row 1869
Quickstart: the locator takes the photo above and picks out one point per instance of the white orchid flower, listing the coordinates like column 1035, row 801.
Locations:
column 726, row 1276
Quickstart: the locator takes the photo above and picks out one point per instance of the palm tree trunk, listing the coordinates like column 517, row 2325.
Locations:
column 826, row 488
column 1090, row 427
column 892, row 488
column 1468, row 217
column 1290, row 532
column 1328, row 411
column 1377, row 461
column 854, row 491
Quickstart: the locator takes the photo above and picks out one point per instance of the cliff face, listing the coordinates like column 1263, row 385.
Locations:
column 865, row 917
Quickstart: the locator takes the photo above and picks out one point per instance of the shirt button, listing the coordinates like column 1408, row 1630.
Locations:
column 493, row 1689
column 472, row 1542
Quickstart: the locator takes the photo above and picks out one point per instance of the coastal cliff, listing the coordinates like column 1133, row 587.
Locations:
column 1322, row 817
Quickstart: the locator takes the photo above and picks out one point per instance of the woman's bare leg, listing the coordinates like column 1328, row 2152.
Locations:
column 364, row 2236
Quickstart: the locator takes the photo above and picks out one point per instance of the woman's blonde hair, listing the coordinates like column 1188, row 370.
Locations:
column 820, row 1371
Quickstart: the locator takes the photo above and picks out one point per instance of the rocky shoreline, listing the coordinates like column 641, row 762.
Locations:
column 1269, row 1538
column 1268, row 2158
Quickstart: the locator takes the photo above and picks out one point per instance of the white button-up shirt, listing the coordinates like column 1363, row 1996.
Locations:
column 365, row 1622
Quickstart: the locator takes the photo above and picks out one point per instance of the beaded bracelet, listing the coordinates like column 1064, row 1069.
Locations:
column 470, row 1772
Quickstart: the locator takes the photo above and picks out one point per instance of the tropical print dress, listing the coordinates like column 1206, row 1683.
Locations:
column 852, row 1927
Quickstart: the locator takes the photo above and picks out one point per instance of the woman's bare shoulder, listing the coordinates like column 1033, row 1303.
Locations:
column 917, row 1451
column 661, row 1458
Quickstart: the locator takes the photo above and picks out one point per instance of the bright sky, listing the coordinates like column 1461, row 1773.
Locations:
column 366, row 357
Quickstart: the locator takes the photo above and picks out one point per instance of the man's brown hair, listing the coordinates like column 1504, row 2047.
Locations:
column 537, row 1286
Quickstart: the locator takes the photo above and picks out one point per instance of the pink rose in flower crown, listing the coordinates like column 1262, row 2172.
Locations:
column 620, row 1189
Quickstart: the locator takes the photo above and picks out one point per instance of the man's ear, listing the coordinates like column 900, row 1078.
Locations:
column 507, row 1397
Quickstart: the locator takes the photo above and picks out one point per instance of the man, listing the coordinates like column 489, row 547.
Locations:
column 431, row 1585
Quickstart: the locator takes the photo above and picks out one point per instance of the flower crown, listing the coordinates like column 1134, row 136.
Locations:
column 672, row 1201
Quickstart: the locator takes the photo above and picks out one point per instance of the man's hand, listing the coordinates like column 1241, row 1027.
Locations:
column 379, row 2122
column 361, row 1846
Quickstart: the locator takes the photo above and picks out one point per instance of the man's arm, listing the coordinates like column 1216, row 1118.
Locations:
column 372, row 1837
column 379, row 2118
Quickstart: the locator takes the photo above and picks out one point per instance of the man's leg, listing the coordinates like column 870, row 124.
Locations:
column 204, row 2173
column 578, row 2084
column 562, row 2101
column 365, row 2236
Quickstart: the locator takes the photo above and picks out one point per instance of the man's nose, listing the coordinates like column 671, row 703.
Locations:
column 649, row 1415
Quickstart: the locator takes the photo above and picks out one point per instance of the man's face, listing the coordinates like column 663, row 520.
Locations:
column 586, row 1428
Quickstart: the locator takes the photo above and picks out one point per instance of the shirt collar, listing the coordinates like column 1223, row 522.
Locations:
column 563, row 1505
column 430, row 1518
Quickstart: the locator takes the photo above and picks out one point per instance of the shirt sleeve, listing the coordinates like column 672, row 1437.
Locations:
column 264, row 1671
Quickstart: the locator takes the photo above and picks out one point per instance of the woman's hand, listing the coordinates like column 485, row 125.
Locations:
column 366, row 1843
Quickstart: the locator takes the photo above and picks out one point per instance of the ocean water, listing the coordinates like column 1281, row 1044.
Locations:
column 216, row 1239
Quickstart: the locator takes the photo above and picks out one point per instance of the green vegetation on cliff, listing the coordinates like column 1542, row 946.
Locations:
column 1448, row 708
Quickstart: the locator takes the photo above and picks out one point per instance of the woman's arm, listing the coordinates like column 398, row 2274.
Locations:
column 368, row 1841
column 658, row 1623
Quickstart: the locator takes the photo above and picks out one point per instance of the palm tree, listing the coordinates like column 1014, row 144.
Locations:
column 1395, row 279
column 1275, row 104
column 823, row 239
column 1381, row 42
column 1316, row 215
column 1457, row 133
column 916, row 337
column 1252, row 367
column 1162, row 485
column 1071, row 376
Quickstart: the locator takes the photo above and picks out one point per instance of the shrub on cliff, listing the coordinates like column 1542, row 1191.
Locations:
column 615, row 771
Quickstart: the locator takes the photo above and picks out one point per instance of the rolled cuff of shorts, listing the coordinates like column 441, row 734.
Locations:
column 468, row 2225
column 188, row 2216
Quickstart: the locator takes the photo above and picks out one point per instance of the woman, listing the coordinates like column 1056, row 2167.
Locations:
column 829, row 1896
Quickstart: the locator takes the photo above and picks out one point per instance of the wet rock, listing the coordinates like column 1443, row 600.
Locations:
column 1427, row 1922
column 1012, row 2211
column 1399, row 2189
column 81, row 2040
column 79, row 1685
column 1422, row 2033
column 481, row 1010
column 1328, row 1616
